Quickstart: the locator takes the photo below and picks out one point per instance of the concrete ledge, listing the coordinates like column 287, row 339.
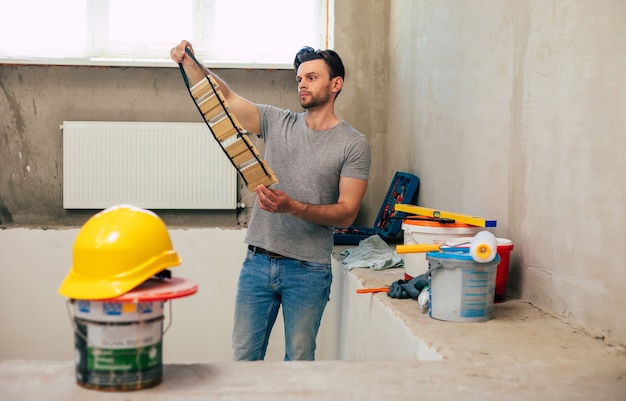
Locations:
column 518, row 332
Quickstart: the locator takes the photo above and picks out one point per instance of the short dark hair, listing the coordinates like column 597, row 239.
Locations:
column 330, row 57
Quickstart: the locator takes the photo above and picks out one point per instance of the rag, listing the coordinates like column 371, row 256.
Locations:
column 403, row 289
column 372, row 252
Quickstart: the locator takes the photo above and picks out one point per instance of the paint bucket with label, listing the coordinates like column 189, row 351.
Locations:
column 118, row 344
column 119, row 341
column 461, row 289
column 428, row 231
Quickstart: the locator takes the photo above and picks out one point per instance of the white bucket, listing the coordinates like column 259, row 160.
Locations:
column 429, row 232
column 461, row 290
column 118, row 344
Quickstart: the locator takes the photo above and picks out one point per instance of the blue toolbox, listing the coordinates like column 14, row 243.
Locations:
column 403, row 189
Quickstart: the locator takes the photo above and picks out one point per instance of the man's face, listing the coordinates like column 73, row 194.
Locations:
column 315, row 88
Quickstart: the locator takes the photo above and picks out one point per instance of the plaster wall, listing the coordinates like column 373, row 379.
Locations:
column 516, row 110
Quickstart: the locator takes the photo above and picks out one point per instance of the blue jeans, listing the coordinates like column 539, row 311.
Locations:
column 302, row 288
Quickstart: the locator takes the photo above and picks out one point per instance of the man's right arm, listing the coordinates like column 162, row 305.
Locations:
column 245, row 111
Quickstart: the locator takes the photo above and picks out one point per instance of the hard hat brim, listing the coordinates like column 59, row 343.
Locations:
column 87, row 288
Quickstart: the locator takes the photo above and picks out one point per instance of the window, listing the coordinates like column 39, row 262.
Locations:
column 224, row 33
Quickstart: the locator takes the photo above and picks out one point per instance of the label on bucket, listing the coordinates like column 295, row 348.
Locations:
column 123, row 360
column 118, row 356
column 105, row 311
column 126, row 336
column 476, row 289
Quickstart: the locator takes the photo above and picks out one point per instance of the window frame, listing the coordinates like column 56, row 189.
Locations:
column 200, row 40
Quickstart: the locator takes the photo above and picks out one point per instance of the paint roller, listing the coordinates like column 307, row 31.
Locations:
column 483, row 247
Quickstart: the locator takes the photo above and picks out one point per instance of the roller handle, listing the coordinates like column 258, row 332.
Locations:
column 417, row 248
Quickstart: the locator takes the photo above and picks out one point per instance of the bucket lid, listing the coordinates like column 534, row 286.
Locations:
column 426, row 222
column 457, row 254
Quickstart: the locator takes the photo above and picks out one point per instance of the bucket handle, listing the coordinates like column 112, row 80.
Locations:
column 81, row 335
column 438, row 266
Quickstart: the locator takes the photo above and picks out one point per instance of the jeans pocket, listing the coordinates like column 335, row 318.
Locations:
column 316, row 267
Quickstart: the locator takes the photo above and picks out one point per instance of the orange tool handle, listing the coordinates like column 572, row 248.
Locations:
column 368, row 290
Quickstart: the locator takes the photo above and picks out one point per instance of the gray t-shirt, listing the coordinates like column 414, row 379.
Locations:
column 308, row 165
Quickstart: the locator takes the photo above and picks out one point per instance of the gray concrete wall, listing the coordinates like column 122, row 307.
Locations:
column 516, row 110
column 361, row 37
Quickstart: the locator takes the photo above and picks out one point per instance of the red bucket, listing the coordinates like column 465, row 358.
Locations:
column 505, row 247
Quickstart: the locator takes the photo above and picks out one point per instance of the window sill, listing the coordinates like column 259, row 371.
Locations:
column 140, row 62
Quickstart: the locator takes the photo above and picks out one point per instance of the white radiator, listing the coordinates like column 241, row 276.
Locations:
column 150, row 165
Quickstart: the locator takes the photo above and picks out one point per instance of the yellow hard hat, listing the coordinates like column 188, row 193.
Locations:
column 115, row 251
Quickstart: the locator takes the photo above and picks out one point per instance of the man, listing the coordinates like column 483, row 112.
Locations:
column 322, row 164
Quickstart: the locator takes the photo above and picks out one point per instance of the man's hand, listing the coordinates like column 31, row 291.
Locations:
column 273, row 200
column 178, row 53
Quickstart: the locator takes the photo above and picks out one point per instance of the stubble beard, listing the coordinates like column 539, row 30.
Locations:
column 319, row 100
